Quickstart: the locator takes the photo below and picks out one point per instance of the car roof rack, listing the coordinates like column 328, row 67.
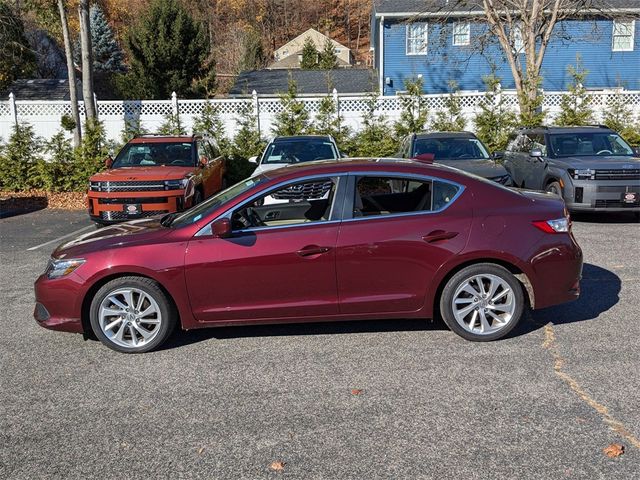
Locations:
column 142, row 135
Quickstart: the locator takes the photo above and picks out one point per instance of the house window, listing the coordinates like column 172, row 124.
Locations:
column 516, row 39
column 417, row 38
column 461, row 33
column 623, row 35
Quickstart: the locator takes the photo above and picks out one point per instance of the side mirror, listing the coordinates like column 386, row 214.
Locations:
column 497, row 155
column 253, row 159
column 204, row 161
column 536, row 152
column 108, row 162
column 221, row 228
column 636, row 151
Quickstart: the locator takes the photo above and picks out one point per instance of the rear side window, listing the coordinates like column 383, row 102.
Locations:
column 390, row 195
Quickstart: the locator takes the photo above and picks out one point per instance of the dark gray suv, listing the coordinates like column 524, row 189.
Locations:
column 592, row 168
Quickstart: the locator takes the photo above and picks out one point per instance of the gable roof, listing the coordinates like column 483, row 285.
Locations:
column 406, row 8
column 41, row 89
column 311, row 31
column 271, row 82
column 293, row 61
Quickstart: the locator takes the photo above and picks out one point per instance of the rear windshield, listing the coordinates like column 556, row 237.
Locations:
column 450, row 148
column 299, row 150
column 180, row 154
column 589, row 143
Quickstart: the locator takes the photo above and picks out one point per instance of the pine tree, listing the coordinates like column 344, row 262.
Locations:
column 172, row 125
column 309, row 55
column 247, row 143
column 253, row 57
column 414, row 112
column 494, row 122
column 57, row 173
column 210, row 124
column 132, row 128
column 328, row 58
column 328, row 121
column 20, row 159
column 168, row 53
column 293, row 119
column 107, row 54
column 450, row 119
column 374, row 138
column 575, row 107
column 16, row 58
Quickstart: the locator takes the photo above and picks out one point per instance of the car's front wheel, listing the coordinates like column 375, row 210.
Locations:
column 555, row 188
column 482, row 302
column 132, row 315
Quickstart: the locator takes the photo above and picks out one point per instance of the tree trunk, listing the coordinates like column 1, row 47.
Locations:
column 87, row 60
column 73, row 92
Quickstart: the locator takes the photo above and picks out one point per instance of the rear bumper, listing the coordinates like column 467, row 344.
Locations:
column 59, row 303
column 112, row 207
column 601, row 195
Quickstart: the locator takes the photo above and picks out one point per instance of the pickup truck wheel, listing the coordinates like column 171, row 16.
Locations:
column 555, row 188
column 482, row 302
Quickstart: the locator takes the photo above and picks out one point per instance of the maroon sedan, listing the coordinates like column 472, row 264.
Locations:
column 348, row 240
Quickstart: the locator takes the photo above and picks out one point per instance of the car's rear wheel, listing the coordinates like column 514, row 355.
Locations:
column 482, row 302
column 132, row 315
column 555, row 188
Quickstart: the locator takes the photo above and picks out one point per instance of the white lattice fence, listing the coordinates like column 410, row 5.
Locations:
column 45, row 116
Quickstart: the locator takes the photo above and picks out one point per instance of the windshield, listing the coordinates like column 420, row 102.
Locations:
column 151, row 154
column 203, row 209
column 450, row 148
column 589, row 143
column 299, row 150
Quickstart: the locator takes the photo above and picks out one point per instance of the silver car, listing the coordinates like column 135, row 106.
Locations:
column 591, row 168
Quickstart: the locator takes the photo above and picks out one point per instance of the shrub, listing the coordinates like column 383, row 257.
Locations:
column 132, row 128
column 450, row 119
column 293, row 119
column 89, row 157
column 414, row 113
column 575, row 106
column 375, row 138
column 619, row 117
column 20, row 159
column 209, row 124
column 328, row 121
column 494, row 122
column 58, row 173
column 172, row 125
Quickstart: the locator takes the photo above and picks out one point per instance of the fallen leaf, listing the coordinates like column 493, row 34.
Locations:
column 356, row 391
column 277, row 466
column 200, row 450
column 614, row 450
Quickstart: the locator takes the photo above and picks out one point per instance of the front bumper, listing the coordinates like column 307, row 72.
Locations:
column 112, row 207
column 59, row 303
column 601, row 195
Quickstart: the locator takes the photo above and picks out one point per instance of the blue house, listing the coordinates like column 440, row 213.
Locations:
column 444, row 40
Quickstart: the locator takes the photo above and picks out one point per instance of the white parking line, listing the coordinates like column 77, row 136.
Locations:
column 60, row 238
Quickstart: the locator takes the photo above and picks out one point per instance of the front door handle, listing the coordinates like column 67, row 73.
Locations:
column 311, row 250
column 438, row 235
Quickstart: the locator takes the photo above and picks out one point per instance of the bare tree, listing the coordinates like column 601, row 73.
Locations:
column 87, row 59
column 73, row 92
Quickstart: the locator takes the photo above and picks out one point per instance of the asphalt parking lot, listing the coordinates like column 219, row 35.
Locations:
column 226, row 403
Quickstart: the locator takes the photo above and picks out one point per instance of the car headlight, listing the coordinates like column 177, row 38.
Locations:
column 62, row 267
column 503, row 179
column 176, row 184
column 582, row 174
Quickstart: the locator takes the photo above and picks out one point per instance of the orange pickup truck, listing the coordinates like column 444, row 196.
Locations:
column 154, row 175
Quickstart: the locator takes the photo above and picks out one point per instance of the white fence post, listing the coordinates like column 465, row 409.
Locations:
column 12, row 108
column 174, row 103
column 256, row 110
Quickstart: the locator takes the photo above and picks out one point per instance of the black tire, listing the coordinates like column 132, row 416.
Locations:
column 168, row 313
column 197, row 197
column 555, row 188
column 458, row 279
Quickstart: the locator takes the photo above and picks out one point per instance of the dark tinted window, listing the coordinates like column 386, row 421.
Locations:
column 299, row 150
column 155, row 153
column 596, row 143
column 450, row 148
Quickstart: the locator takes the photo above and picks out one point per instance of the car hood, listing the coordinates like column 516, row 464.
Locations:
column 482, row 168
column 114, row 236
column 602, row 162
column 131, row 174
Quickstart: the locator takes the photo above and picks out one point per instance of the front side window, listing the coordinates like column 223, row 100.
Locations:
column 417, row 38
column 461, row 33
column 462, row 148
column 572, row 144
column 537, row 141
column 623, row 36
column 155, row 154
column 310, row 201
column 298, row 151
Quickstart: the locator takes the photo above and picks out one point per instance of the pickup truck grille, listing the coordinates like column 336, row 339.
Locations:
column 305, row 191
column 110, row 215
column 618, row 174
column 134, row 186
column 122, row 201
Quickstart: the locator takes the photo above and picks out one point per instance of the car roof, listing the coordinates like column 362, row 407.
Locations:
column 445, row 135
column 164, row 138
column 301, row 138
column 581, row 129
column 387, row 165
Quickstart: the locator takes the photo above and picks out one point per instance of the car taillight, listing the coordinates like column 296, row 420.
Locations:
column 559, row 225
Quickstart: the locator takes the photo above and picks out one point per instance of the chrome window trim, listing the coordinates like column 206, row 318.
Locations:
column 461, row 189
column 206, row 230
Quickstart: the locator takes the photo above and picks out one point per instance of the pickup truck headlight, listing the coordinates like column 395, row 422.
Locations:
column 62, row 267
column 176, row 184
column 582, row 173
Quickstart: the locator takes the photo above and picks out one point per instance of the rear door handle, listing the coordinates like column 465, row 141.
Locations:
column 438, row 235
column 311, row 250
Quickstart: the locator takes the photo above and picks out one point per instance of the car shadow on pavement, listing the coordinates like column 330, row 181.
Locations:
column 605, row 217
column 599, row 291
column 11, row 206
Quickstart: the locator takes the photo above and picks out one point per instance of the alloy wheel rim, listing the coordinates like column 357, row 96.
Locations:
column 129, row 317
column 483, row 304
